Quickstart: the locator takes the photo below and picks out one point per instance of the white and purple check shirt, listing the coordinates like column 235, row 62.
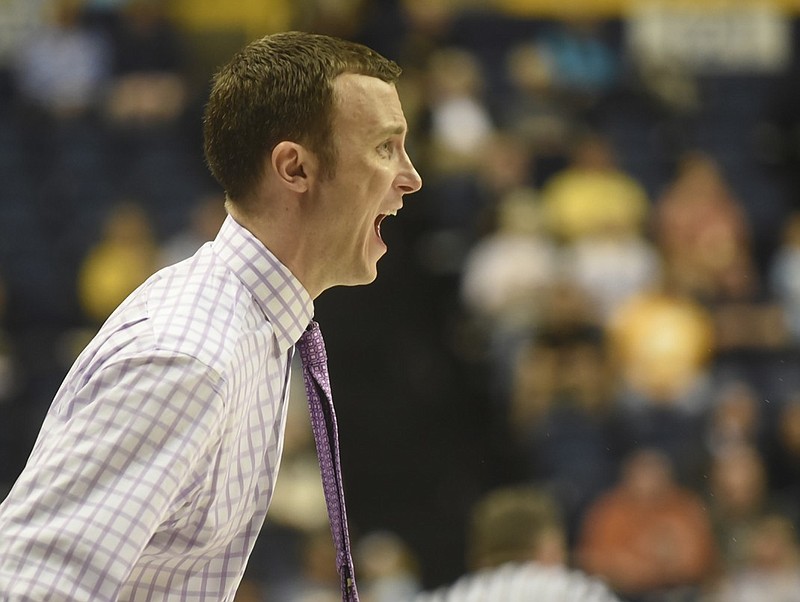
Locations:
column 156, row 463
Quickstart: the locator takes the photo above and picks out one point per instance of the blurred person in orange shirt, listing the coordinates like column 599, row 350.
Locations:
column 648, row 536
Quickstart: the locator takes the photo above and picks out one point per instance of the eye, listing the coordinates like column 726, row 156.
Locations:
column 386, row 149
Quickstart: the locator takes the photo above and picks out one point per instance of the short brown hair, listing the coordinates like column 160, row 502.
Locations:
column 508, row 524
column 279, row 88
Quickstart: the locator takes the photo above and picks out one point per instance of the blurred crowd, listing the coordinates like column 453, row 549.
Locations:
column 596, row 294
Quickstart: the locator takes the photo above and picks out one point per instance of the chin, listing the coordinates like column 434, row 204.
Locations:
column 368, row 278
column 367, row 275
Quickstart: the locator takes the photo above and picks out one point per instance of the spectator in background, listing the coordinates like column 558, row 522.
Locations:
column 592, row 194
column 612, row 264
column 534, row 374
column 585, row 67
column 507, row 270
column 738, row 496
column 148, row 86
column 390, row 571
column 649, row 537
column 532, row 108
column 702, row 231
column 704, row 235
column 123, row 258
column 63, row 68
column 662, row 342
column 460, row 121
column 517, row 551
column 473, row 168
column 735, row 417
column 522, row 386
column 429, row 25
column 662, row 347
column 472, row 206
column 598, row 212
column 771, row 567
column 571, row 442
column 17, row 20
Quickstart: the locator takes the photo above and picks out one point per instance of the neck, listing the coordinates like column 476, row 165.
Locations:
column 285, row 235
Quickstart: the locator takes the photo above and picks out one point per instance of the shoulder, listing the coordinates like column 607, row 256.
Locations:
column 528, row 581
column 197, row 308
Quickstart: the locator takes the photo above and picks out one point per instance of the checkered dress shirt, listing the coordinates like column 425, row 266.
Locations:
column 156, row 462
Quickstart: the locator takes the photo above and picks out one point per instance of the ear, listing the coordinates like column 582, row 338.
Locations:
column 293, row 165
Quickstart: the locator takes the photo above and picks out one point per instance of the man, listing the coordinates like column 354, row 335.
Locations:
column 517, row 551
column 649, row 535
column 156, row 463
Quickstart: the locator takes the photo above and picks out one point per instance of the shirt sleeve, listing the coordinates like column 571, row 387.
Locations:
column 110, row 462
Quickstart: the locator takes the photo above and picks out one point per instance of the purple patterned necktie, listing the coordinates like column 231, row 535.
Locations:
column 311, row 347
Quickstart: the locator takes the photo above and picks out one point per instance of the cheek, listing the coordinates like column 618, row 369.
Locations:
column 362, row 192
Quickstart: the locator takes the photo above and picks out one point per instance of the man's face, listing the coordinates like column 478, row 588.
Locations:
column 372, row 173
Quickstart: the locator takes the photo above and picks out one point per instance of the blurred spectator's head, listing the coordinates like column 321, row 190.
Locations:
column 586, row 374
column 738, row 481
column 647, row 474
column 429, row 18
column 128, row 223
column 528, row 70
column 701, row 176
column 507, row 163
column 735, row 416
column 64, row 13
column 593, row 151
column 516, row 524
column 454, row 72
column 386, row 561
column 773, row 544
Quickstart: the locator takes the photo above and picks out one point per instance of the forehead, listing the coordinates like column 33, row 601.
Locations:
column 366, row 105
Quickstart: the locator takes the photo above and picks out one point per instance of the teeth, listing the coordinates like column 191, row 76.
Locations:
column 394, row 212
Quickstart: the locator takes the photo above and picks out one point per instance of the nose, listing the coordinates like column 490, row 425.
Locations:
column 409, row 180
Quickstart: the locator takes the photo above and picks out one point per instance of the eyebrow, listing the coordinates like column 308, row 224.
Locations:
column 393, row 130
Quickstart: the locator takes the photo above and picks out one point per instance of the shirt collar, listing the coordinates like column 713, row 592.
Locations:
column 279, row 294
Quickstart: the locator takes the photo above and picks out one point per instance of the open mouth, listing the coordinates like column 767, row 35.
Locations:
column 379, row 220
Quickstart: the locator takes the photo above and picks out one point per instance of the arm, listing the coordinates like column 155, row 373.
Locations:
column 109, row 464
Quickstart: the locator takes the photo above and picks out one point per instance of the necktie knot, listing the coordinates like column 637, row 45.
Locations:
column 311, row 346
